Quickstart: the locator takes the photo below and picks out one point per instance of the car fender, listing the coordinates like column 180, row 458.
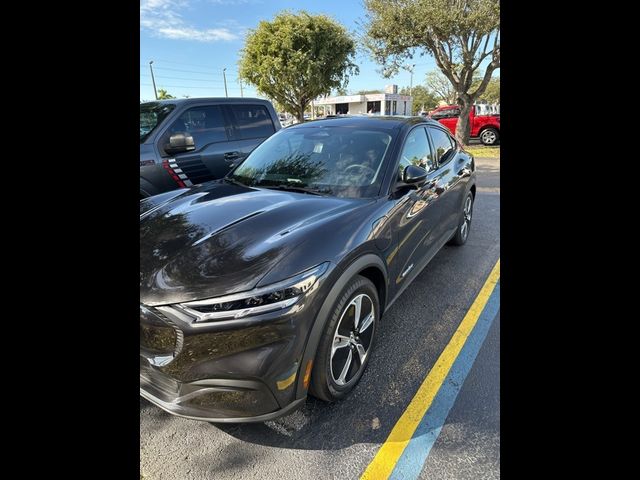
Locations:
column 146, row 188
column 365, row 261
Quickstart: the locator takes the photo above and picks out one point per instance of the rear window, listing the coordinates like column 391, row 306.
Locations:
column 253, row 121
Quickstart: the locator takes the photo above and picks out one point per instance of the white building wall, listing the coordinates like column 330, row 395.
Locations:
column 357, row 107
column 358, row 103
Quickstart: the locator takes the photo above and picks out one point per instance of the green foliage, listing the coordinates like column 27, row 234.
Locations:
column 367, row 92
column 492, row 92
column 296, row 58
column 422, row 98
column 164, row 95
column 461, row 35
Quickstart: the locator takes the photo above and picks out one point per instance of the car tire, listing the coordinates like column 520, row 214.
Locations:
column 344, row 341
column 490, row 136
column 464, row 224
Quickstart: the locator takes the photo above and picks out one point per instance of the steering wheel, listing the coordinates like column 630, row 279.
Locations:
column 362, row 168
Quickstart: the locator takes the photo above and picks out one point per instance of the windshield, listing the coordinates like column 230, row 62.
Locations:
column 339, row 161
column 151, row 115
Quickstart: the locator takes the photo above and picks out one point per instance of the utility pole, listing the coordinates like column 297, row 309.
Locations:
column 153, row 79
column 225, row 82
column 411, row 81
column 240, row 87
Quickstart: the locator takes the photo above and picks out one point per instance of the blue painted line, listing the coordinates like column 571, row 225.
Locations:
column 415, row 454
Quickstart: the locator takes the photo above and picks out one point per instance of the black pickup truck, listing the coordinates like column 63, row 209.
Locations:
column 188, row 141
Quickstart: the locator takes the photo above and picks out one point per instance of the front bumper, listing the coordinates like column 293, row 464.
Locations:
column 236, row 371
column 213, row 400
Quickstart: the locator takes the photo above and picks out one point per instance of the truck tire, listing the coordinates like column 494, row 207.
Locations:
column 489, row 136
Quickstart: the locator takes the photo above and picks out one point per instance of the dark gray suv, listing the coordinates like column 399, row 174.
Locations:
column 188, row 141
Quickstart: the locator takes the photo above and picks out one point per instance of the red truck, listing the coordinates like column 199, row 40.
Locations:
column 487, row 127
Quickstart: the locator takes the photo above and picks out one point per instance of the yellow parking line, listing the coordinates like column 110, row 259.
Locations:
column 385, row 460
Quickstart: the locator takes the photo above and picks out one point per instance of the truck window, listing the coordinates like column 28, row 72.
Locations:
column 151, row 116
column 205, row 124
column 253, row 121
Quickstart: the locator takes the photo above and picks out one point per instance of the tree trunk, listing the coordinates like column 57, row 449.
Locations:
column 463, row 128
column 301, row 113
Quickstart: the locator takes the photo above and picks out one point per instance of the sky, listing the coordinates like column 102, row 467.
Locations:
column 191, row 41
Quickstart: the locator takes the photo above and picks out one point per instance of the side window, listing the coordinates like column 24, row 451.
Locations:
column 455, row 113
column 253, row 121
column 416, row 151
column 440, row 114
column 443, row 144
column 205, row 124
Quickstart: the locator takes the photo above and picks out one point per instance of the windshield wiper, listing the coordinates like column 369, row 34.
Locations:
column 291, row 188
column 234, row 181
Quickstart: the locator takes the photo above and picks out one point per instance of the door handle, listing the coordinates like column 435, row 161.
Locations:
column 231, row 155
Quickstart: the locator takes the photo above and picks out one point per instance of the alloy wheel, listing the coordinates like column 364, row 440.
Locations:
column 466, row 220
column 488, row 137
column 352, row 339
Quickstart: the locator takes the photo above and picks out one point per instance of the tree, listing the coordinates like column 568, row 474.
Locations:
column 461, row 35
column 441, row 87
column 164, row 95
column 422, row 98
column 443, row 90
column 492, row 92
column 296, row 58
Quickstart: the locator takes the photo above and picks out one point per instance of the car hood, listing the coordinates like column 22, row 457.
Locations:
column 222, row 238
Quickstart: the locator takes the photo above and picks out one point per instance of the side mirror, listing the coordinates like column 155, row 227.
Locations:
column 414, row 175
column 180, row 142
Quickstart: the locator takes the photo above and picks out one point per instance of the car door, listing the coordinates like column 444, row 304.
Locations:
column 209, row 127
column 416, row 215
column 449, row 174
column 251, row 124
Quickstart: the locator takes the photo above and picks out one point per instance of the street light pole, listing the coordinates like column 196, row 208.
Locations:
column 153, row 79
column 225, row 82
column 240, row 87
column 411, row 81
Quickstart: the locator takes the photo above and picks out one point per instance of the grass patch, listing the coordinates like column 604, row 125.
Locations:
column 482, row 151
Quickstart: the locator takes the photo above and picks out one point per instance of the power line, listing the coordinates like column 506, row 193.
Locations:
column 213, row 70
column 184, row 78
column 182, row 63
column 182, row 86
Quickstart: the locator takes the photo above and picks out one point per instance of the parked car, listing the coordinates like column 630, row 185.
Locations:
column 189, row 141
column 486, row 127
column 268, row 284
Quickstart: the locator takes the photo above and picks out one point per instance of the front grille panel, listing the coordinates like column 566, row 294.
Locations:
column 159, row 336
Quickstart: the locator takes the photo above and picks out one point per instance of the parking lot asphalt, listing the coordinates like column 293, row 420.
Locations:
column 340, row 440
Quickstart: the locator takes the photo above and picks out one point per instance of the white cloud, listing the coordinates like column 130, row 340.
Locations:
column 235, row 2
column 162, row 18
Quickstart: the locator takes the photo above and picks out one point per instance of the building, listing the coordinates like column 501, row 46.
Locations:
column 388, row 103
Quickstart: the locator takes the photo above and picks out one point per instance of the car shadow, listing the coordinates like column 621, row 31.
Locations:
column 315, row 426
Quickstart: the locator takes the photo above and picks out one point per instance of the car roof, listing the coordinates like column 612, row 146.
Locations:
column 387, row 122
column 187, row 101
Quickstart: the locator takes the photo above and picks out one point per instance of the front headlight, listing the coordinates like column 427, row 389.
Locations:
column 260, row 300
